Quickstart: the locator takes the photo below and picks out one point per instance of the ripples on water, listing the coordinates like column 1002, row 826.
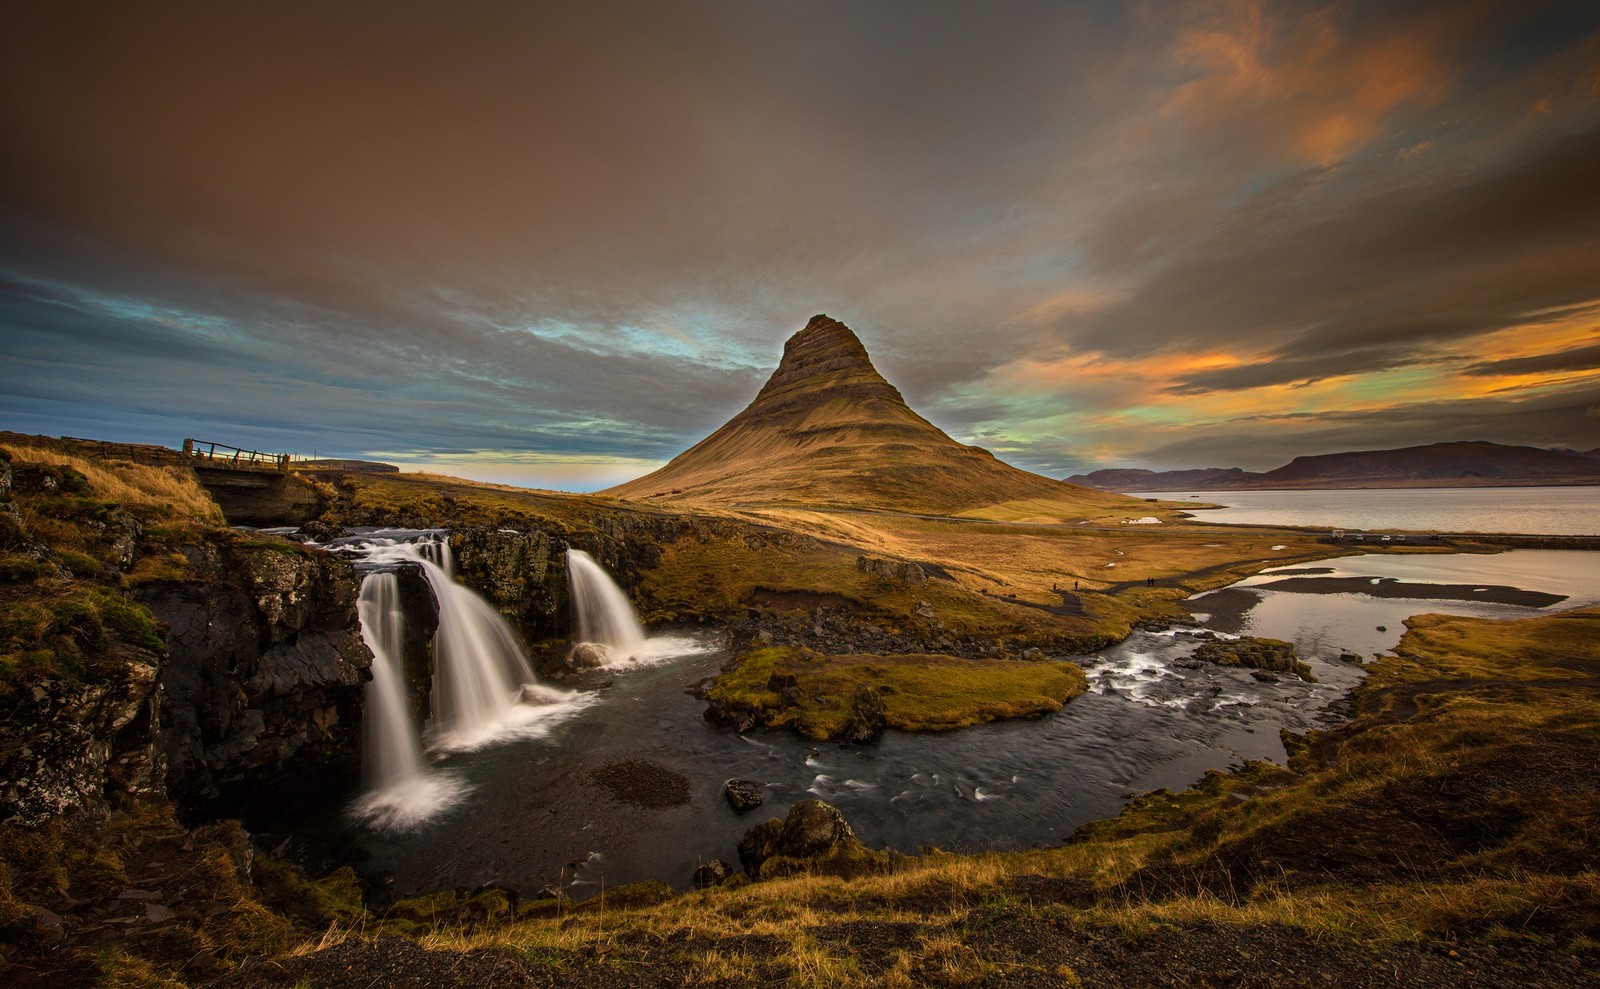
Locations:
column 1152, row 718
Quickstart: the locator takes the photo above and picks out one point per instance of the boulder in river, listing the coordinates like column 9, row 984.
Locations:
column 742, row 795
column 588, row 655
column 1271, row 655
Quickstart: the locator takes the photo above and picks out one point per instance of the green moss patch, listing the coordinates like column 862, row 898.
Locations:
column 819, row 696
column 68, row 631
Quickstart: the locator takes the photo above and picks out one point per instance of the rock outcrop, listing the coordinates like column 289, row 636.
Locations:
column 265, row 666
column 813, row 838
column 1271, row 655
column 896, row 570
column 712, row 873
column 65, row 745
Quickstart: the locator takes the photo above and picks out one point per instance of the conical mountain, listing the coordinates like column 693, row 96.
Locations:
column 828, row 430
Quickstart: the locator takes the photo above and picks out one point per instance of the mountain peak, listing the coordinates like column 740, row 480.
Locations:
column 825, row 356
column 827, row 429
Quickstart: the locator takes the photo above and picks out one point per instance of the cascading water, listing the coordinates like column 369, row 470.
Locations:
column 392, row 754
column 602, row 611
column 481, row 680
column 483, row 689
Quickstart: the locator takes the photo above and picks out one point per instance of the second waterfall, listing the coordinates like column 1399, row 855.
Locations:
column 601, row 612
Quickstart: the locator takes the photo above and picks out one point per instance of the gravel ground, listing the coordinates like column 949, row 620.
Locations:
column 1011, row 949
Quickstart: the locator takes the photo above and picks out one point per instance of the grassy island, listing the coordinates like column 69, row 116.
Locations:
column 821, row 696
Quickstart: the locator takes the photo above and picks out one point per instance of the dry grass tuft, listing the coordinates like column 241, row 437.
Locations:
column 170, row 493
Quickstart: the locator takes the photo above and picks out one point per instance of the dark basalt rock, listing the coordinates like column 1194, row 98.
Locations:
column 868, row 717
column 63, row 746
column 1271, row 655
column 322, row 532
column 712, row 873
column 742, row 795
column 265, row 667
column 814, row 838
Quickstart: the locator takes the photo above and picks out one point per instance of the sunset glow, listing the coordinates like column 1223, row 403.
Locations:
column 556, row 245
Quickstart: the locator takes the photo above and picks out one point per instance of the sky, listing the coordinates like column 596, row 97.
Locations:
column 555, row 245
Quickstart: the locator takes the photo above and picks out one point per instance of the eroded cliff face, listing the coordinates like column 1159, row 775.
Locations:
column 78, row 661
column 65, row 745
column 521, row 566
column 265, row 667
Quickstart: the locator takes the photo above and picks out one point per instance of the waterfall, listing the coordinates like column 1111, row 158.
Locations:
column 483, row 688
column 391, row 755
column 480, row 676
column 602, row 611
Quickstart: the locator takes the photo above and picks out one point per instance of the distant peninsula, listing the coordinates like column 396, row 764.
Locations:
column 1437, row 465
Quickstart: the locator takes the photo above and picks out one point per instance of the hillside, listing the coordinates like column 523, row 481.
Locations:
column 1437, row 465
column 828, row 430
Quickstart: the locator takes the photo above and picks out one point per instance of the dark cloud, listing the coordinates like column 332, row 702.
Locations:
column 587, row 229
column 1407, row 265
column 1266, row 442
column 1579, row 359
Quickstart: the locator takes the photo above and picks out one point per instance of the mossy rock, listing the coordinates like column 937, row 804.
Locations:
column 336, row 897
column 629, row 896
column 815, row 839
column 453, row 907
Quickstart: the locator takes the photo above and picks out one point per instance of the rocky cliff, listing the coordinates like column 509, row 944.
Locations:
column 144, row 649
column 265, row 665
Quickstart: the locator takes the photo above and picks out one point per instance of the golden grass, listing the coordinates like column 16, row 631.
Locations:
column 1518, row 890
column 169, row 493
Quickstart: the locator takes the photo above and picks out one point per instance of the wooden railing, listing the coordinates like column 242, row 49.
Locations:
column 222, row 455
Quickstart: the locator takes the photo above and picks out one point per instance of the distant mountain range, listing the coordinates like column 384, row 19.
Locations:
column 1438, row 465
column 828, row 430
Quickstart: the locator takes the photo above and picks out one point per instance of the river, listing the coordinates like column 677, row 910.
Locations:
column 535, row 816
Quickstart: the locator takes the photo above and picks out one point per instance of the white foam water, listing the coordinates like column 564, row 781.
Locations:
column 483, row 692
column 601, row 611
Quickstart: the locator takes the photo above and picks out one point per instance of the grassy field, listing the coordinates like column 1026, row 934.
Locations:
column 1449, row 831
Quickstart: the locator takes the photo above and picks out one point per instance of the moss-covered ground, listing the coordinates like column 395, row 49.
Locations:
column 813, row 694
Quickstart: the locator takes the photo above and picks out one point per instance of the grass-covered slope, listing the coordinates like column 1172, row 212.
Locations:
column 828, row 430
column 74, row 533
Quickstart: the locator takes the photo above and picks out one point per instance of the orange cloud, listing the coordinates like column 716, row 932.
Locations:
column 1301, row 83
